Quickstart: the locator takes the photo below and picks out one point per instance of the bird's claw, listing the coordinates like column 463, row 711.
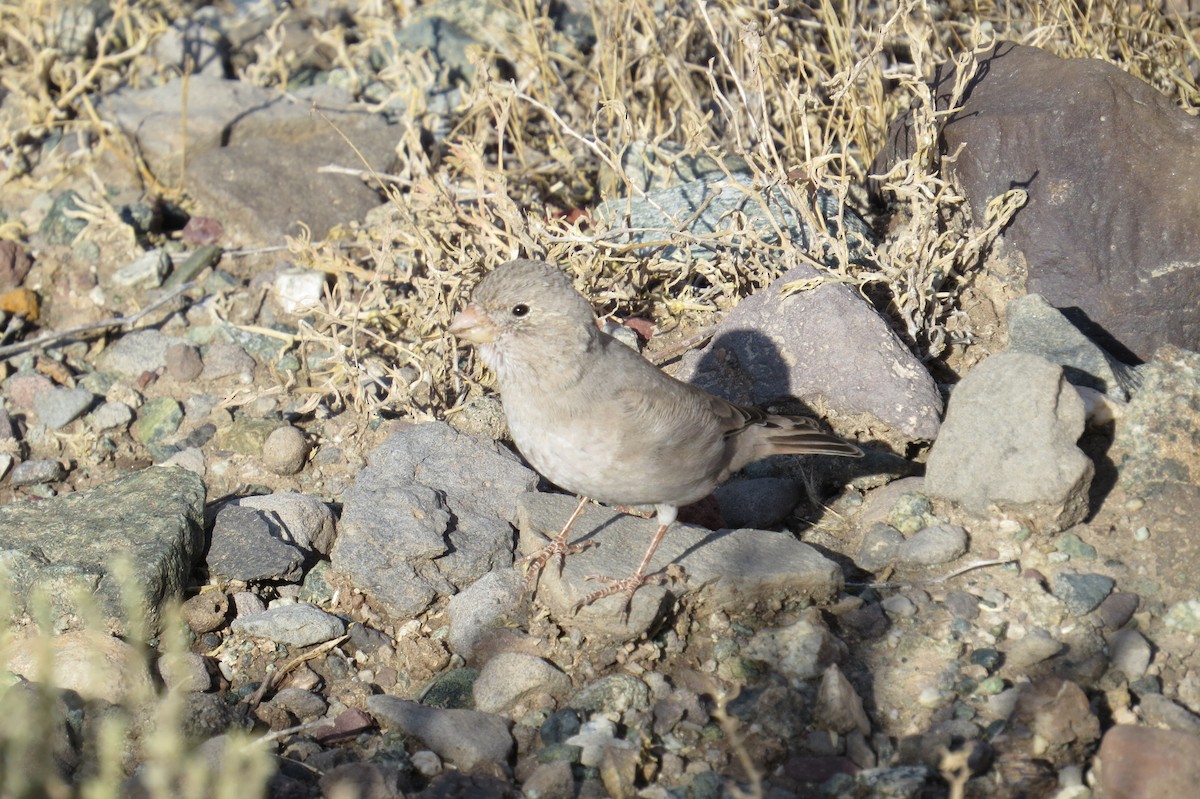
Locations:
column 627, row 586
column 533, row 563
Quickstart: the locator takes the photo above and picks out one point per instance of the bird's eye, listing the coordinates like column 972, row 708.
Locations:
column 520, row 309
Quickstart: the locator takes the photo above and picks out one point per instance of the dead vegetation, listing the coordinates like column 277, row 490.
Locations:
column 801, row 94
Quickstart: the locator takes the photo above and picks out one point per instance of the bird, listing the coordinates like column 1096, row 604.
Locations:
column 594, row 417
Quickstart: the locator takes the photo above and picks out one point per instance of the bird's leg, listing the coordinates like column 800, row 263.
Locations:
column 534, row 562
column 633, row 582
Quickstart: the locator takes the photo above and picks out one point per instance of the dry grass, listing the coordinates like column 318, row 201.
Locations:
column 802, row 93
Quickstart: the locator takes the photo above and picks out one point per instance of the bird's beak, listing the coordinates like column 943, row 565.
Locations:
column 473, row 324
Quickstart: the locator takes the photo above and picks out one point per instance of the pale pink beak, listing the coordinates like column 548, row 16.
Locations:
column 473, row 324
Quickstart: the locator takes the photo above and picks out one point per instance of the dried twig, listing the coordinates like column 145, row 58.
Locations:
column 979, row 564
column 104, row 324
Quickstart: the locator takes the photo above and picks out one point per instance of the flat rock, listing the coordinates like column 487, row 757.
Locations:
column 481, row 606
column 1109, row 232
column 733, row 570
column 510, row 677
column 58, row 407
column 63, row 545
column 253, row 154
column 245, row 545
column 770, row 348
column 466, row 738
column 304, row 521
column 136, row 352
column 430, row 514
column 1009, row 442
column 294, row 625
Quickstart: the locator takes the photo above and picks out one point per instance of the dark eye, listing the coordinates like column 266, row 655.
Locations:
column 520, row 309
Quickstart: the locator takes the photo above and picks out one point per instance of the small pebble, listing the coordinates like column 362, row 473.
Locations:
column 426, row 763
column 1141, row 534
column 285, row 450
column 59, row 407
column 147, row 270
column 1081, row 593
column 224, row 360
column 206, row 611
column 183, row 362
column 111, row 415
column 299, row 290
column 43, row 470
column 1131, row 653
column 899, row 605
column 1117, row 609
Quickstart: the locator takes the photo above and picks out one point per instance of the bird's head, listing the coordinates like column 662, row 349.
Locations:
column 526, row 315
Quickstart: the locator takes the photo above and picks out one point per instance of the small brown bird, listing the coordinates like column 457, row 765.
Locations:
column 599, row 420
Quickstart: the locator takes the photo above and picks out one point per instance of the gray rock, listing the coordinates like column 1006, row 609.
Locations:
column 1009, row 441
column 801, row 650
column 758, row 502
column 481, row 606
column 614, row 693
column 285, row 450
column 510, row 677
column 939, row 543
column 839, row 708
column 1117, row 609
column 246, row 545
column 769, row 348
column 1156, row 439
column 395, row 537
column 247, row 603
column 242, row 144
column 226, row 360
column 294, row 625
column 1037, row 327
column 899, row 605
column 59, row 407
column 65, row 545
column 40, row 470
column 1130, row 653
column 148, row 270
column 1081, row 593
column 136, row 352
column 706, row 209
column 1037, row 645
column 302, row 520
column 466, row 738
column 185, row 671
column 298, row 703
column 879, row 547
column 1159, row 711
column 734, row 570
column 110, row 416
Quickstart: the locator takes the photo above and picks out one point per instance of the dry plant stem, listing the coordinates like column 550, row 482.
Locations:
column 979, row 564
column 273, row 679
column 104, row 324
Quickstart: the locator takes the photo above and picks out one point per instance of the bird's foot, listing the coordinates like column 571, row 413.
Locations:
column 533, row 563
column 629, row 586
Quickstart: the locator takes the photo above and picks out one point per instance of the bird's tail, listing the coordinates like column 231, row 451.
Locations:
column 799, row 435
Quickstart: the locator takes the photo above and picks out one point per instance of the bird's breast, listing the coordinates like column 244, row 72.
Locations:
column 588, row 449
